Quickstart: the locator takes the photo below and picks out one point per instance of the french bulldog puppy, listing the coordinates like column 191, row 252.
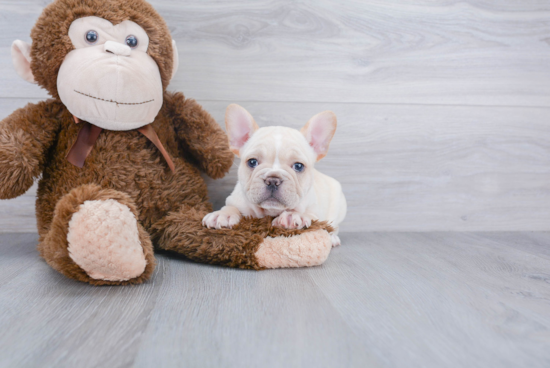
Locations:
column 277, row 176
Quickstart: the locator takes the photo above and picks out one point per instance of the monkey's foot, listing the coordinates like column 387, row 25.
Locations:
column 252, row 243
column 104, row 241
column 95, row 237
column 304, row 250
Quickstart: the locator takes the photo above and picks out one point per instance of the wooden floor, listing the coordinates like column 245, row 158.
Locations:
column 381, row 300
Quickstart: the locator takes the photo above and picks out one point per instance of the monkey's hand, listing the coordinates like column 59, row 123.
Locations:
column 200, row 135
column 18, row 168
column 25, row 136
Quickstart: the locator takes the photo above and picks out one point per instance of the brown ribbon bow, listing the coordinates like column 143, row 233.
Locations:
column 88, row 134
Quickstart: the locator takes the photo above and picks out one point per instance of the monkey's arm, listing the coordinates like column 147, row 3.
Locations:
column 200, row 135
column 25, row 137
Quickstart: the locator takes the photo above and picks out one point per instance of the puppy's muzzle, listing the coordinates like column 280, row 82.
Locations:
column 273, row 183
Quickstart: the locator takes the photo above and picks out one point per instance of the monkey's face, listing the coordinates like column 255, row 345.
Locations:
column 109, row 79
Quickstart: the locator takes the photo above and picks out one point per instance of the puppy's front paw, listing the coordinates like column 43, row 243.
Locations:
column 292, row 220
column 220, row 219
column 335, row 240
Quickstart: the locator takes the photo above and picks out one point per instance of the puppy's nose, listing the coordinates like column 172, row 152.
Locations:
column 273, row 182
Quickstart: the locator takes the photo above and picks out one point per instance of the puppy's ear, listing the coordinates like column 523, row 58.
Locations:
column 319, row 131
column 21, row 57
column 240, row 126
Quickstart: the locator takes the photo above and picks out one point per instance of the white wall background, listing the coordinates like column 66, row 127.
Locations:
column 443, row 105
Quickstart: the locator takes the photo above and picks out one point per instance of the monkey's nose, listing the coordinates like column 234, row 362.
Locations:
column 117, row 48
column 273, row 182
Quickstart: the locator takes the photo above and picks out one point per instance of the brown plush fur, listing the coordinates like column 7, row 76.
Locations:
column 123, row 165
column 24, row 135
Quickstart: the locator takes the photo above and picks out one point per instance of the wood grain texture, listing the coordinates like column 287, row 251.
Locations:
column 466, row 300
column 381, row 300
column 277, row 319
column 427, row 52
column 51, row 321
column 408, row 167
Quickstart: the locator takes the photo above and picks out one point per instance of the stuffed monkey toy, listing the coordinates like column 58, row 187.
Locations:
column 119, row 158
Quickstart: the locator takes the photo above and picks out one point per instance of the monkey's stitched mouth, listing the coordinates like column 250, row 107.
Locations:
column 111, row 101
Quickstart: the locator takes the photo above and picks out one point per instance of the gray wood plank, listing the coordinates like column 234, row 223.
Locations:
column 407, row 167
column 453, row 299
column 426, row 52
column 228, row 318
column 50, row 321
column 17, row 255
column 381, row 299
column 18, row 215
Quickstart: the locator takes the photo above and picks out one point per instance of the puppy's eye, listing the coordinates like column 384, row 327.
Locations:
column 132, row 41
column 252, row 163
column 91, row 36
column 299, row 167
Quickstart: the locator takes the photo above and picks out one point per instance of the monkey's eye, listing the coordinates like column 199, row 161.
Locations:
column 299, row 167
column 91, row 36
column 132, row 41
column 252, row 163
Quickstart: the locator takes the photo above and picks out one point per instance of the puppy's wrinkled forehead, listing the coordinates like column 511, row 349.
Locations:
column 281, row 143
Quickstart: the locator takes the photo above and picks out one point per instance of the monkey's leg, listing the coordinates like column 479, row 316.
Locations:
column 94, row 237
column 253, row 243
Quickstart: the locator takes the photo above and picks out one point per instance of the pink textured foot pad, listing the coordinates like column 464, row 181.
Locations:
column 305, row 250
column 104, row 241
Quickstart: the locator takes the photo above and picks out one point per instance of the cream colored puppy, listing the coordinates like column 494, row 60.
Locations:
column 277, row 176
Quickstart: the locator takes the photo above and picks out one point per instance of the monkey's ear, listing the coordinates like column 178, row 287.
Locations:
column 21, row 56
column 176, row 60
